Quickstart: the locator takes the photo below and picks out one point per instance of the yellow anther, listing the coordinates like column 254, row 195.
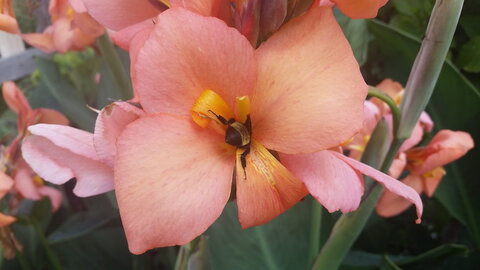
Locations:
column 38, row 181
column 243, row 108
column 209, row 101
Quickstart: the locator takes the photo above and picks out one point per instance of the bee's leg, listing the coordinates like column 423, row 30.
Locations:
column 248, row 125
column 243, row 160
column 222, row 119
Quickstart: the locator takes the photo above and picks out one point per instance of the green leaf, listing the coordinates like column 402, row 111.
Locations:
column 80, row 224
column 280, row 244
column 455, row 105
column 357, row 34
column 71, row 101
column 23, row 12
column 469, row 56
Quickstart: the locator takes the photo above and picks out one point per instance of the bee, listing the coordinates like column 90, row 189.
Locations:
column 238, row 135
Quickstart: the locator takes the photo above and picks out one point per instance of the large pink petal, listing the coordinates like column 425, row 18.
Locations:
column 58, row 153
column 117, row 14
column 388, row 182
column 110, row 123
column 172, row 181
column 360, row 9
column 78, row 6
column 390, row 204
column 6, row 183
column 330, row 180
column 127, row 35
column 265, row 189
column 188, row 53
column 309, row 94
column 445, row 147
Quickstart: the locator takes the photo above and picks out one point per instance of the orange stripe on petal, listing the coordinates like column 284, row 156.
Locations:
column 268, row 190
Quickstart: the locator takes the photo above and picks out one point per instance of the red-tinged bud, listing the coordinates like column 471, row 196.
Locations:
column 272, row 16
column 246, row 18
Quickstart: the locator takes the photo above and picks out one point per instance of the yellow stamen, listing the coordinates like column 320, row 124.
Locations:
column 38, row 181
column 209, row 101
column 166, row 3
column 437, row 172
column 398, row 97
column 347, row 142
column 243, row 108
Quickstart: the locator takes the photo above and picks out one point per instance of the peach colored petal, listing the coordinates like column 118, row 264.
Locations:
column 15, row 99
column 426, row 121
column 43, row 42
column 6, row 220
column 330, row 180
column 53, row 194
column 268, row 189
column 445, row 147
column 390, row 204
column 118, row 14
column 387, row 182
column 360, row 9
column 309, row 94
column 49, row 116
column 415, row 138
column 431, row 180
column 25, row 186
column 187, row 53
column 6, row 183
column 8, row 24
column 134, row 48
column 172, row 181
column 63, row 35
column 58, row 153
column 124, row 37
column 398, row 166
column 87, row 24
column 110, row 123
column 78, row 6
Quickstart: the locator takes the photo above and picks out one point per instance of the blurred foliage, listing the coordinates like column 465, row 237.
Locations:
column 86, row 233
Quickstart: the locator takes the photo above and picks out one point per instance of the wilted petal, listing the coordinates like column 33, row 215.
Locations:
column 172, row 181
column 360, row 9
column 388, row 182
column 179, row 61
column 445, row 147
column 58, row 153
column 268, row 189
column 117, row 14
column 310, row 93
column 390, row 204
column 330, row 180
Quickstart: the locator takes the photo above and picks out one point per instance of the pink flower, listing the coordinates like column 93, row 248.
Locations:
column 173, row 176
column 70, row 30
column 425, row 167
column 24, row 181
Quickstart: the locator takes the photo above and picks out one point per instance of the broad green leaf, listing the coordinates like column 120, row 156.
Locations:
column 469, row 56
column 455, row 105
column 280, row 244
column 71, row 101
column 80, row 224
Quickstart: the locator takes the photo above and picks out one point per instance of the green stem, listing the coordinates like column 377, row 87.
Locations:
column 115, row 65
column 182, row 258
column 375, row 92
column 23, row 261
column 428, row 63
column 265, row 248
column 52, row 257
column 315, row 228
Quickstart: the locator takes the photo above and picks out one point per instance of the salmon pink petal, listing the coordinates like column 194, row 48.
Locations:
column 388, row 182
column 87, row 24
column 398, row 166
column 118, row 14
column 58, row 153
column 360, row 9
column 187, row 53
column 426, row 121
column 390, row 204
column 15, row 99
column 41, row 41
column 445, row 147
column 431, row 180
column 49, row 116
column 415, row 138
column 110, row 123
column 309, row 94
column 172, row 180
column 6, row 220
column 8, row 24
column 330, row 180
column 25, row 186
column 124, row 37
column 53, row 194
column 6, row 183
column 266, row 188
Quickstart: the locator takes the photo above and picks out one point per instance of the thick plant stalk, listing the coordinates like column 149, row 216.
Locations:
column 420, row 85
